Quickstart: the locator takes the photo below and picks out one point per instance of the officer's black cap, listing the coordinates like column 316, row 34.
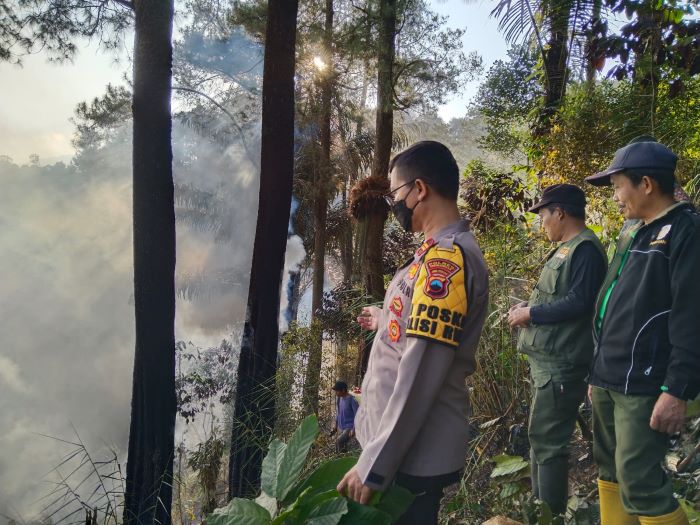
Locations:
column 641, row 153
column 561, row 194
column 340, row 386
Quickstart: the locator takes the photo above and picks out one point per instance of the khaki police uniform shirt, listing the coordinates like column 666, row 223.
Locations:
column 415, row 404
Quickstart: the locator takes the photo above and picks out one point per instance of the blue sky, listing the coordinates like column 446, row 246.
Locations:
column 38, row 99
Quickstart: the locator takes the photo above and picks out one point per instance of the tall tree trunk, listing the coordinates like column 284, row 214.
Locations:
column 254, row 408
column 149, row 472
column 313, row 369
column 592, row 61
column 373, row 224
column 555, row 61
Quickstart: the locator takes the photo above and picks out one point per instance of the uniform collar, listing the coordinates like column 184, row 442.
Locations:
column 459, row 226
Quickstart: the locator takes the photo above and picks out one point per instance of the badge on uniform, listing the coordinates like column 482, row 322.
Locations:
column 420, row 252
column 394, row 330
column 437, row 283
column 563, row 252
column 664, row 232
column 396, row 306
column 413, row 270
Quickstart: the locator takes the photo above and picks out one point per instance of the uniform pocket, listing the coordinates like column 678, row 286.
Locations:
column 536, row 339
column 550, row 275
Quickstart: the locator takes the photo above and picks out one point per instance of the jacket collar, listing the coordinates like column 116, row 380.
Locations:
column 671, row 210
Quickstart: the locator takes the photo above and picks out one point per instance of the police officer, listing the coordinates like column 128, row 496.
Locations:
column 647, row 332
column 412, row 422
column 556, row 336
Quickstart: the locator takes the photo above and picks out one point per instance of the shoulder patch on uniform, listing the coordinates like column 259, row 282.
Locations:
column 438, row 280
column 563, row 252
column 439, row 302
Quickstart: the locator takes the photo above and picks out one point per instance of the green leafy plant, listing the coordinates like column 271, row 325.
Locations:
column 287, row 498
column 509, row 473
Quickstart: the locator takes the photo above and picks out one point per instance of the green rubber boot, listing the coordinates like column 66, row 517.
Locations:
column 553, row 481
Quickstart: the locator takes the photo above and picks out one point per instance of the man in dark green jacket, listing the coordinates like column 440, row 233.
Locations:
column 556, row 336
column 647, row 331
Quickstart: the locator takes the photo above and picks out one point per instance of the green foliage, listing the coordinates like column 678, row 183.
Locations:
column 239, row 512
column 507, row 466
column 203, row 376
column 691, row 511
column 492, row 196
column 11, row 37
column 430, row 63
column 288, row 499
column 660, row 37
column 55, row 26
column 507, row 97
column 596, row 121
column 293, row 457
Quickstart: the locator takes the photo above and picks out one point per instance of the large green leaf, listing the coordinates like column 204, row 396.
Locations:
column 291, row 514
column 692, row 514
column 307, row 503
column 268, row 503
column 240, row 512
column 364, row 515
column 329, row 512
column 294, row 456
column 325, row 477
column 395, row 501
column 506, row 465
column 271, row 466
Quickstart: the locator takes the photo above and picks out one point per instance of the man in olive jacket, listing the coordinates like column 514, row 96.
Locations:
column 555, row 333
column 647, row 332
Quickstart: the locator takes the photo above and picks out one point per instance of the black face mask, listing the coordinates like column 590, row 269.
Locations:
column 404, row 214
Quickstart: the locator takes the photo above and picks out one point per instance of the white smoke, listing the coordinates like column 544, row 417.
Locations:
column 293, row 258
column 66, row 282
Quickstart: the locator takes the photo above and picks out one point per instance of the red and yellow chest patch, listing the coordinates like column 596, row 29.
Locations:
column 394, row 329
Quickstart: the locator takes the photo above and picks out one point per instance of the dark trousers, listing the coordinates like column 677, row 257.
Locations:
column 342, row 441
column 428, row 491
column 553, row 412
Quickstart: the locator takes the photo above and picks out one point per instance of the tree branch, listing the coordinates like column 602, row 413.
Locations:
column 250, row 154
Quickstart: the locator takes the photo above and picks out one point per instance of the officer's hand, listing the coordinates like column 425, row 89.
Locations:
column 519, row 317
column 590, row 393
column 668, row 415
column 352, row 487
column 519, row 305
column 369, row 318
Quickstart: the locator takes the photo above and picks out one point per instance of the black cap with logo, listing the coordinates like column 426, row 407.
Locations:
column 561, row 194
column 641, row 153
